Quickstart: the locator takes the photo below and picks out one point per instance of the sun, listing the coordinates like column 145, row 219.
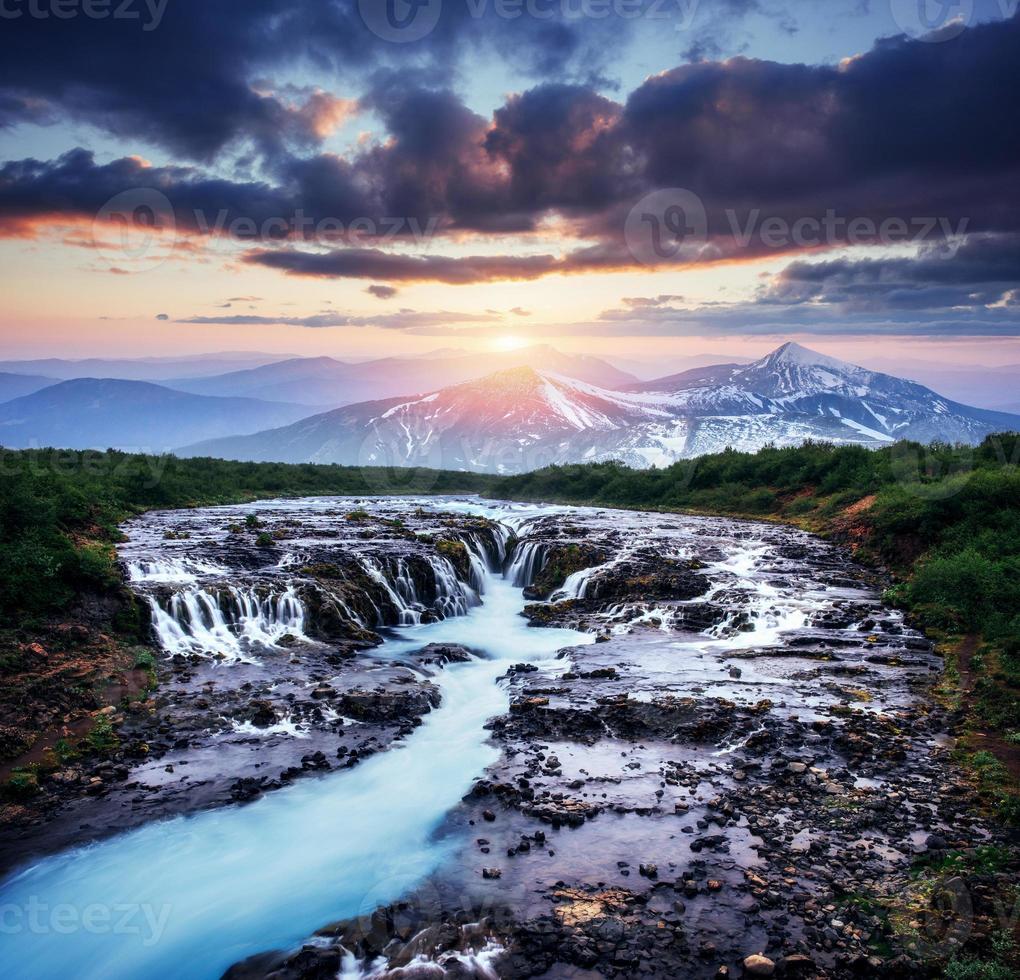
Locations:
column 509, row 342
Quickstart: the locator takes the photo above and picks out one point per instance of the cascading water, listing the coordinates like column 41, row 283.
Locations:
column 408, row 613
column 526, row 563
column 231, row 624
column 197, row 894
column 451, row 597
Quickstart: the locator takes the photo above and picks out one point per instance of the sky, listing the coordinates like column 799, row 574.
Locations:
column 639, row 178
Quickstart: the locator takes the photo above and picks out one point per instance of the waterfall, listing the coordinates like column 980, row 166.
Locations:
column 482, row 560
column 527, row 562
column 576, row 584
column 501, row 535
column 408, row 614
column 230, row 623
column 448, row 595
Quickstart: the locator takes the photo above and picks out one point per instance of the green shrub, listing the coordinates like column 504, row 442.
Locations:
column 22, row 784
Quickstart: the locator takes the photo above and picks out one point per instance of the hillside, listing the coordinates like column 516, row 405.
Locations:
column 88, row 413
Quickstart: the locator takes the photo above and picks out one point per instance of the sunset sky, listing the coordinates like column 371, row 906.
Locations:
column 638, row 178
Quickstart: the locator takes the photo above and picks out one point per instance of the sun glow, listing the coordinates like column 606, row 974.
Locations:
column 509, row 342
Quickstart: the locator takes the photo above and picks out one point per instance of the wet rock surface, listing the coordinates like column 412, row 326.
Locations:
column 745, row 776
column 742, row 779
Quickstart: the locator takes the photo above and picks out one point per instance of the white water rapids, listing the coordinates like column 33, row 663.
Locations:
column 188, row 897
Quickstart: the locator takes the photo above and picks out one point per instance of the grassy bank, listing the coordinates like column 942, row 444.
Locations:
column 945, row 520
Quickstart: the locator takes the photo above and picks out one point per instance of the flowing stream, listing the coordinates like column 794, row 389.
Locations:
column 190, row 896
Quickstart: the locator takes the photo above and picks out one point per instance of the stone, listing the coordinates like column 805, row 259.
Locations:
column 757, row 965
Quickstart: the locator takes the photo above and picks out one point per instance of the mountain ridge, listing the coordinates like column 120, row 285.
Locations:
column 523, row 418
column 328, row 381
column 90, row 413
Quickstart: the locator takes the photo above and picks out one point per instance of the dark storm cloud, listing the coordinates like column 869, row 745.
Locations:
column 365, row 263
column 187, row 81
column 185, row 85
column 983, row 271
column 910, row 131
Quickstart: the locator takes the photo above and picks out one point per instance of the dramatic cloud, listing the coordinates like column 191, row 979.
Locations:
column 190, row 76
column 983, row 271
column 364, row 263
column 909, row 142
column 970, row 290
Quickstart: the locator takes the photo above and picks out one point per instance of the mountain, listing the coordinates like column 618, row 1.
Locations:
column 140, row 368
column 16, row 385
column 88, row 413
column 510, row 421
column 992, row 387
column 521, row 419
column 836, row 400
column 326, row 381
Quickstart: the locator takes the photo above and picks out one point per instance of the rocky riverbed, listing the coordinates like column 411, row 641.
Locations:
column 732, row 766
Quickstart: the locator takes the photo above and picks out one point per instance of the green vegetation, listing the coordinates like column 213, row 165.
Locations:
column 59, row 510
column 22, row 784
column 457, row 554
column 561, row 562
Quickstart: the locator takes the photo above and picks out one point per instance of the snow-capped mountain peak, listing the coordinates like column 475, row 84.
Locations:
column 522, row 418
column 794, row 353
